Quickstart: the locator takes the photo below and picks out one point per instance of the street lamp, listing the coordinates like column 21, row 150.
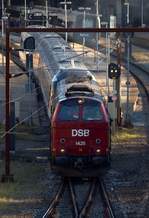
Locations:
column 84, row 9
column 65, row 3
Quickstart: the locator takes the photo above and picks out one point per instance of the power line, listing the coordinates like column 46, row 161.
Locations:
column 35, row 112
column 16, row 99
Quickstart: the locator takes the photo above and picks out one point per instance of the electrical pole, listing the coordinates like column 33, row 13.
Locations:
column 108, row 62
column 127, row 115
column 142, row 14
column 107, row 46
column 127, row 118
column 65, row 3
column 4, row 22
column 7, row 177
column 9, row 3
column 25, row 12
column 47, row 21
column 118, row 82
column 84, row 9
column 2, row 36
column 127, row 15
column 98, row 26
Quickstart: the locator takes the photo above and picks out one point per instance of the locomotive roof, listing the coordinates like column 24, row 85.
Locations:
column 77, row 86
column 73, row 74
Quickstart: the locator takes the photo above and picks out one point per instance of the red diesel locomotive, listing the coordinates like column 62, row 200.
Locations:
column 80, row 129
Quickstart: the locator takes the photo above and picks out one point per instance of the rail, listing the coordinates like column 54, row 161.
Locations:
column 54, row 202
column 93, row 185
column 106, row 200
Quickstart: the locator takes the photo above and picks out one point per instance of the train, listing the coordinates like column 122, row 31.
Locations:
column 80, row 130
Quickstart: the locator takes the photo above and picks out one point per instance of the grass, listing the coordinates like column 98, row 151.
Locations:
column 28, row 185
column 124, row 135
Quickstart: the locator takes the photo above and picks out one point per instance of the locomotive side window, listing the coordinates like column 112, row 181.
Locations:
column 91, row 111
column 69, row 110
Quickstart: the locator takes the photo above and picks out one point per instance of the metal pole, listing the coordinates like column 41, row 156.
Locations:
column 9, row 3
column 7, row 177
column 127, row 115
column 142, row 15
column 107, row 46
column 108, row 61
column 7, row 126
column 25, row 12
column 2, row 16
column 127, row 15
column 66, row 36
column 30, row 85
column 2, row 36
column 65, row 3
column 84, row 24
column 47, row 22
column 118, row 82
column 97, row 35
column 128, row 83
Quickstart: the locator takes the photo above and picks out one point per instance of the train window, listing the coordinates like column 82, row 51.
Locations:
column 91, row 111
column 69, row 110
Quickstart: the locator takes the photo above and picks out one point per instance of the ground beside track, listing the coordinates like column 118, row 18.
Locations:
column 128, row 179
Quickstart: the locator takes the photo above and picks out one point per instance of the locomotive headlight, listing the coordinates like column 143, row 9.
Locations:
column 62, row 140
column 98, row 150
column 98, row 141
column 81, row 101
column 62, row 150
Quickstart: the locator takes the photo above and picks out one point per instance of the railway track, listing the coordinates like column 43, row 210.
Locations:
column 96, row 187
column 142, row 79
column 138, row 72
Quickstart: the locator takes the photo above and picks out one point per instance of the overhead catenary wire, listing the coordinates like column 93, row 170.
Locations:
column 16, row 99
column 25, row 119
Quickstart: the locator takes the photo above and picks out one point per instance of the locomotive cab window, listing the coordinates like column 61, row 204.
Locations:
column 69, row 110
column 92, row 111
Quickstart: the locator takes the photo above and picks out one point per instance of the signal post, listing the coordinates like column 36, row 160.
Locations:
column 114, row 72
column 118, row 83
